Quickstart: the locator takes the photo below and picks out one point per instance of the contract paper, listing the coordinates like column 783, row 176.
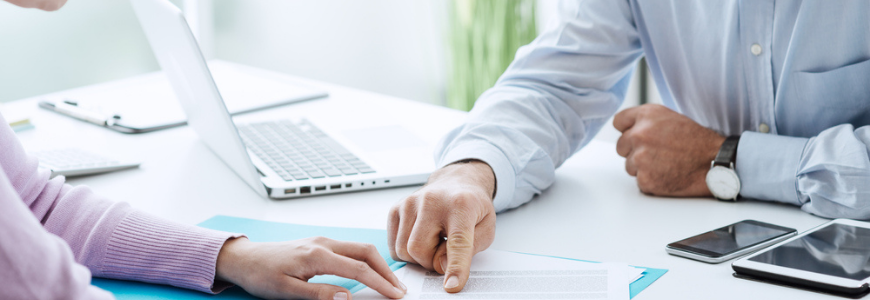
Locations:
column 505, row 275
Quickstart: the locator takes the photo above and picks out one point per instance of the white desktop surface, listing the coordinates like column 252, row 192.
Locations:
column 594, row 211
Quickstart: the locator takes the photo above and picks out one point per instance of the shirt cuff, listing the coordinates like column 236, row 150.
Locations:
column 767, row 165
column 505, row 177
column 150, row 249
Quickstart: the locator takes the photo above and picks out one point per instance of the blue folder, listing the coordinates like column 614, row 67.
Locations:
column 262, row 231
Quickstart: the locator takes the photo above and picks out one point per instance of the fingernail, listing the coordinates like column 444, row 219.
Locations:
column 401, row 292
column 340, row 296
column 452, row 282
column 444, row 263
column 402, row 285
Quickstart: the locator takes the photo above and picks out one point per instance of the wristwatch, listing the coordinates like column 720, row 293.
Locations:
column 722, row 179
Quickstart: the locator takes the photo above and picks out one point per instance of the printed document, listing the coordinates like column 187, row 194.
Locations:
column 507, row 275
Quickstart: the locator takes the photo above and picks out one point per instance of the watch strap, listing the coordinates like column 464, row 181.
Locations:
column 727, row 152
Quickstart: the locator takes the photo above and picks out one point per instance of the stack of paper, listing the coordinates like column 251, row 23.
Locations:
column 506, row 275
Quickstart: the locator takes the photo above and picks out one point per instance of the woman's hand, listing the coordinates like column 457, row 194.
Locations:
column 282, row 270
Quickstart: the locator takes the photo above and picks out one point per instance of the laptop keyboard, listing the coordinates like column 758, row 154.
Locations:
column 300, row 151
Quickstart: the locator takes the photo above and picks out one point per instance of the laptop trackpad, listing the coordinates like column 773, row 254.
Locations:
column 377, row 139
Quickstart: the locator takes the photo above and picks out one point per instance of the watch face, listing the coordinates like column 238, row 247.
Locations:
column 723, row 182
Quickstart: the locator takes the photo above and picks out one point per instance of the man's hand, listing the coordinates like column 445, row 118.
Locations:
column 668, row 153
column 455, row 204
column 282, row 270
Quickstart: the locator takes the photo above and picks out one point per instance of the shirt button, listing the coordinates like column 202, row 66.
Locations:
column 763, row 128
column 755, row 49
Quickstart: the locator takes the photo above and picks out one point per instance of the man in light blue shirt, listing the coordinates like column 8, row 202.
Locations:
column 790, row 78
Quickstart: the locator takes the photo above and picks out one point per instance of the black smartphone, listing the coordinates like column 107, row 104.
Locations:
column 730, row 241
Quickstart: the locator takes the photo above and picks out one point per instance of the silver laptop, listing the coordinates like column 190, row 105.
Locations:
column 280, row 158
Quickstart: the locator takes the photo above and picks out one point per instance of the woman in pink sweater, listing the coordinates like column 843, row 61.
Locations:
column 54, row 236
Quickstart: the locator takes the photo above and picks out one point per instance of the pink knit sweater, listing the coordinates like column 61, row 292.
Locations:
column 53, row 236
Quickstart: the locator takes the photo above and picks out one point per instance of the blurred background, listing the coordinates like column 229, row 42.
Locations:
column 433, row 51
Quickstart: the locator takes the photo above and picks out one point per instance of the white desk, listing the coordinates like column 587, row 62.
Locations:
column 594, row 211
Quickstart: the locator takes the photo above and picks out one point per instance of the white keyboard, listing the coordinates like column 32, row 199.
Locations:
column 76, row 162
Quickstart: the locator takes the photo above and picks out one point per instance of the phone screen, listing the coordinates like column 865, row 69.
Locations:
column 734, row 237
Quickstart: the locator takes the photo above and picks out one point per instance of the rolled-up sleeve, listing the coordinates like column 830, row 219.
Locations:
column 555, row 96
column 827, row 175
column 767, row 166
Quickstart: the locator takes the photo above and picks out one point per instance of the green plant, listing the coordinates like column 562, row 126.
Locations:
column 483, row 39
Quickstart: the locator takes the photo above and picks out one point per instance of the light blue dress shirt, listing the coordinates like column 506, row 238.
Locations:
column 793, row 77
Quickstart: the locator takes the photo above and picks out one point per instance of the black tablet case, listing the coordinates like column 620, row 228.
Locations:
column 776, row 279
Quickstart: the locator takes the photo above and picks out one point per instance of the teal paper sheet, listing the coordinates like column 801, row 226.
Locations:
column 649, row 276
column 263, row 231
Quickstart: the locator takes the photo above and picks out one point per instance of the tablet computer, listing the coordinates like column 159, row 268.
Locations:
column 833, row 257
